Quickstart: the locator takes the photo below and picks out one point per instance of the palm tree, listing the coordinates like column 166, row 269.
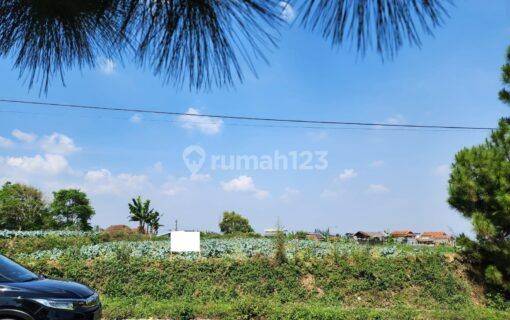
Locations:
column 200, row 43
column 154, row 222
column 141, row 212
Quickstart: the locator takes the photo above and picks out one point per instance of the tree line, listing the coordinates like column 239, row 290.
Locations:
column 23, row 207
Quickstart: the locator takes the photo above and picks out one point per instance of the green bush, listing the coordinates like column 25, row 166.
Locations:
column 357, row 281
column 13, row 246
column 267, row 309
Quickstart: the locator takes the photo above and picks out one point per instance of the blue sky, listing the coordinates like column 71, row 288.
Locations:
column 375, row 179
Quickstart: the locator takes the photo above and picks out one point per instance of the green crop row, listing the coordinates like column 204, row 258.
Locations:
column 256, row 308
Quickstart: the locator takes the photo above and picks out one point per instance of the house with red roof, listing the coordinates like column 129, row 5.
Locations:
column 404, row 236
column 435, row 238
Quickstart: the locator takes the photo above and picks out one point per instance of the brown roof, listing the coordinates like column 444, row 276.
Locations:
column 368, row 234
column 435, row 235
column 402, row 233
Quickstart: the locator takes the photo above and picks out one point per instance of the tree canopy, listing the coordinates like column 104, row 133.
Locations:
column 148, row 219
column 198, row 43
column 22, row 208
column 71, row 209
column 479, row 188
column 234, row 223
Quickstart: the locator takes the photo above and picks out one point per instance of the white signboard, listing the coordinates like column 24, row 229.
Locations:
column 183, row 241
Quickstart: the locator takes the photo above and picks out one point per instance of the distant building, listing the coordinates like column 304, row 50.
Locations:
column 315, row 236
column 435, row 238
column 404, row 236
column 273, row 232
column 370, row 237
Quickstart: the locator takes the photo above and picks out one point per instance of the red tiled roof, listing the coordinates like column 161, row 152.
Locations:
column 435, row 235
column 402, row 233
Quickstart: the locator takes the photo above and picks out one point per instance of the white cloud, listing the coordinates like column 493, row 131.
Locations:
column 132, row 180
column 348, row 174
column 5, row 143
column 442, row 170
column 396, row 119
column 377, row 189
column 289, row 194
column 47, row 164
column 107, row 66
column 136, row 118
column 244, row 184
column 24, row 136
column 377, row 163
column 102, row 181
column 172, row 189
column 98, row 175
column 203, row 124
column 58, row 143
column 288, row 13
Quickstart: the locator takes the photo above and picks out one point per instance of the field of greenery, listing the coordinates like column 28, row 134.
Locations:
column 239, row 278
column 229, row 248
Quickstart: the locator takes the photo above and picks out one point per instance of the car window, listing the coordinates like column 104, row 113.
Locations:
column 10, row 271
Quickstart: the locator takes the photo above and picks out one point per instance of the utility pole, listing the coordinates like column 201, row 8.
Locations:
column 175, row 225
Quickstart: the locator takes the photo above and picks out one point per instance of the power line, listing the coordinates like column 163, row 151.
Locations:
column 245, row 118
column 238, row 124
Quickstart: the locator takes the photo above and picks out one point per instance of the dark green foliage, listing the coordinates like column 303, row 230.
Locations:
column 200, row 43
column 22, row 208
column 384, row 24
column 72, row 210
column 233, row 223
column 148, row 219
column 280, row 254
column 425, row 281
column 301, row 235
column 47, row 37
column 504, row 94
column 480, row 190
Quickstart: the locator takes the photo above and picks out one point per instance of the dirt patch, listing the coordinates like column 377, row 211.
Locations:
column 308, row 282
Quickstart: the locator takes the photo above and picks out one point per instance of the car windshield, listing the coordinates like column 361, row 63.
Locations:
column 10, row 271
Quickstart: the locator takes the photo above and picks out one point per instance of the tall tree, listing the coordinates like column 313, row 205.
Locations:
column 140, row 211
column 234, row 223
column 198, row 43
column 71, row 209
column 22, row 208
column 479, row 188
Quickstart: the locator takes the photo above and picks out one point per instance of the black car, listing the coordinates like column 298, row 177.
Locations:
column 27, row 296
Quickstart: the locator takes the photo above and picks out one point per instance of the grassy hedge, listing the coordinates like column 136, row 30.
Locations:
column 256, row 308
column 423, row 282
column 352, row 284
column 52, row 240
